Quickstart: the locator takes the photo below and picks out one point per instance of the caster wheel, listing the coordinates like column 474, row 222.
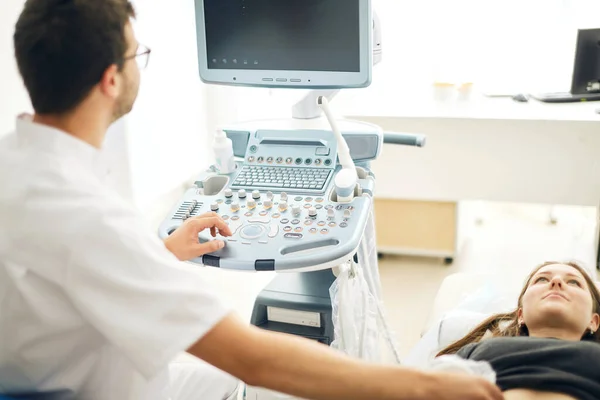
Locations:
column 379, row 256
column 448, row 260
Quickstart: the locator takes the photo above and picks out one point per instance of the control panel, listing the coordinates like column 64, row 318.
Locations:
column 276, row 231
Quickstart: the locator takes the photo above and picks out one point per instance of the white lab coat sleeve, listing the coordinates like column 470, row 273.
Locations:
column 127, row 285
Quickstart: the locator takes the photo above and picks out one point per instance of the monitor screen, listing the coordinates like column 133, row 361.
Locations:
column 292, row 35
column 289, row 43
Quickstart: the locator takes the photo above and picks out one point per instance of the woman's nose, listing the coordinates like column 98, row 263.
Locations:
column 556, row 281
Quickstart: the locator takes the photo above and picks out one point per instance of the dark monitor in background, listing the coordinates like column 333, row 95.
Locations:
column 585, row 85
column 586, row 70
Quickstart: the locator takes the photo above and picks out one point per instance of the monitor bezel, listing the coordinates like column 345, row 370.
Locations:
column 308, row 79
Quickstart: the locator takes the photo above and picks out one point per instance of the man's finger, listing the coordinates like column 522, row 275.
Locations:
column 213, row 222
column 209, row 247
column 213, row 231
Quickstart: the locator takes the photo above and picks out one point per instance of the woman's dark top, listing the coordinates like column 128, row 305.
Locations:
column 545, row 365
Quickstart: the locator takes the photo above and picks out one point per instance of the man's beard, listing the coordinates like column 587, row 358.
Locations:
column 125, row 101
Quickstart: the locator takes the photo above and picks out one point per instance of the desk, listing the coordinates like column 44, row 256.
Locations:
column 485, row 148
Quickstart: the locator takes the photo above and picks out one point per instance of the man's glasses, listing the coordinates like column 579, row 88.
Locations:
column 142, row 56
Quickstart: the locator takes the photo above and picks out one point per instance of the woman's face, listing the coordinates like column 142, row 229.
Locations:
column 558, row 297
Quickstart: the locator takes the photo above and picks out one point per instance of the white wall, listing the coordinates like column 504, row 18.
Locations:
column 167, row 129
column 13, row 97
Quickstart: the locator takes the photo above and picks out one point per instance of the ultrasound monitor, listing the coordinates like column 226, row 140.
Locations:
column 315, row 44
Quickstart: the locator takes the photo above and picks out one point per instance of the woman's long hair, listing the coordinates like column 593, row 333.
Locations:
column 507, row 324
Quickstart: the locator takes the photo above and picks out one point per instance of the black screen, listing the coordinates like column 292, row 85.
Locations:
column 294, row 35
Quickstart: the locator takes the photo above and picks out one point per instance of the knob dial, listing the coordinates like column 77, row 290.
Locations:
column 270, row 195
column 214, row 207
column 312, row 212
column 283, row 205
column 255, row 194
column 296, row 211
column 235, row 206
column 228, row 193
column 330, row 212
column 283, row 196
column 347, row 213
column 242, row 194
column 268, row 204
column 251, row 204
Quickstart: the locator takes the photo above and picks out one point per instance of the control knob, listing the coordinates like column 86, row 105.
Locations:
column 235, row 206
column 283, row 205
column 255, row 194
column 228, row 193
column 283, row 196
column 270, row 195
column 214, row 207
column 347, row 213
column 296, row 211
column 331, row 213
column 268, row 204
column 242, row 194
column 312, row 212
column 251, row 204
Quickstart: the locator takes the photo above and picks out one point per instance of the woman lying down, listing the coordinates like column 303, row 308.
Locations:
column 549, row 347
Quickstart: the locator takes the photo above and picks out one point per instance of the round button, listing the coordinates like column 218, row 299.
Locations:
column 308, row 161
column 307, row 206
column 347, row 213
column 298, row 229
column 344, row 225
column 289, row 160
column 219, row 201
column 321, row 223
column 251, row 159
column 283, row 205
column 235, row 218
column 298, row 161
column 235, row 206
column 263, row 213
column 270, row 160
column 308, row 199
column 318, row 161
column 328, row 162
column 296, row 221
column 312, row 212
column 252, row 231
column 279, row 160
column 261, row 159
column 248, row 214
column 319, row 206
column 270, row 195
column 225, row 217
column 330, row 212
column 332, row 224
column 268, row 204
column 319, row 199
column 298, row 198
column 283, row 196
column 324, row 231
column 308, row 222
column 285, row 221
column 228, row 193
column 214, row 206
column 276, row 215
column 242, row 194
column 251, row 204
column 253, row 149
column 313, row 230
column 328, row 207
column 287, row 229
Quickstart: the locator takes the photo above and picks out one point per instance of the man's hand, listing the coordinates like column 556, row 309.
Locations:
column 184, row 242
column 450, row 386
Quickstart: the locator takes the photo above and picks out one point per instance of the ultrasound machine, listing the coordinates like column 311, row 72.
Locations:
column 300, row 199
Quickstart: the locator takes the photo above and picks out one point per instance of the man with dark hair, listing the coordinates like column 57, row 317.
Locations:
column 91, row 301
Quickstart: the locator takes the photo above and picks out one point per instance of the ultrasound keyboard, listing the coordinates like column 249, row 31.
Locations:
column 289, row 179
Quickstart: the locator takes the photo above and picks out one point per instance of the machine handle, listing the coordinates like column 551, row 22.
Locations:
column 406, row 139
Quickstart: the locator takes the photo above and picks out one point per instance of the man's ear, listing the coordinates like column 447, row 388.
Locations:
column 110, row 82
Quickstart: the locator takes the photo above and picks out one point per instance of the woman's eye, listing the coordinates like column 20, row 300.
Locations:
column 575, row 282
column 540, row 279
